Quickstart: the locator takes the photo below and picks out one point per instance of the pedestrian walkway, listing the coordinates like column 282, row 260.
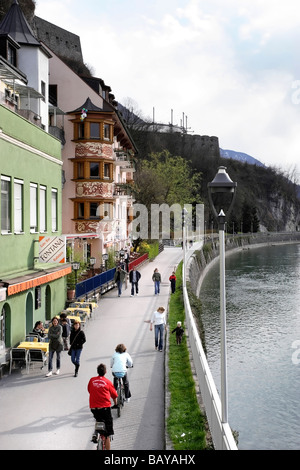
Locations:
column 53, row 413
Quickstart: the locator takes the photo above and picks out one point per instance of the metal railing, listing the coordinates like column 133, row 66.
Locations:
column 101, row 283
column 221, row 433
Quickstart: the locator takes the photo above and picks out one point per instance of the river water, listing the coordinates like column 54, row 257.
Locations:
column 263, row 344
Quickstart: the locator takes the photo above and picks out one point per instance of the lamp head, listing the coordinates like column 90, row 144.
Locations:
column 222, row 189
column 75, row 265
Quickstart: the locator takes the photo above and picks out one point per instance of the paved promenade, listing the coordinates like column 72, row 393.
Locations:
column 53, row 413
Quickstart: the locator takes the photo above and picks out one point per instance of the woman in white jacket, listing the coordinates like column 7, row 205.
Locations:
column 119, row 362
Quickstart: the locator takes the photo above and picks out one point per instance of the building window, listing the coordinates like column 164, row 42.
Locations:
column 81, row 130
column 5, row 204
column 12, row 55
column 94, row 210
column 106, row 171
column 94, row 130
column 94, row 170
column 37, row 297
column 80, row 170
column 18, row 206
column 43, row 90
column 80, row 207
column 107, row 132
column 54, row 210
column 43, row 209
column 33, row 207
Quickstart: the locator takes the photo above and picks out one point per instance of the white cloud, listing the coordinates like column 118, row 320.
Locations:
column 229, row 66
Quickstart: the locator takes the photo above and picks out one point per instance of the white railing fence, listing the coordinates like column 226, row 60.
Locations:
column 221, row 433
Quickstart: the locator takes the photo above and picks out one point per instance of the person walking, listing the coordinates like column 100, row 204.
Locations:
column 101, row 392
column 126, row 259
column 179, row 332
column 119, row 362
column 119, row 278
column 77, row 340
column 55, row 345
column 172, row 280
column 156, row 278
column 66, row 329
column 158, row 319
column 134, row 277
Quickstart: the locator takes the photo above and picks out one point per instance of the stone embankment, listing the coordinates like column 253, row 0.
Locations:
column 202, row 260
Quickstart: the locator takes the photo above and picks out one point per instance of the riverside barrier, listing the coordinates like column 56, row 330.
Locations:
column 196, row 267
column 103, row 282
column 220, row 432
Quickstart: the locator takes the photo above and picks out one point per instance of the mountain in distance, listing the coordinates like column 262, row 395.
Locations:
column 240, row 156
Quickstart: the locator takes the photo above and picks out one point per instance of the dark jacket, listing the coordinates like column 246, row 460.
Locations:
column 138, row 276
column 55, row 338
column 179, row 331
column 77, row 339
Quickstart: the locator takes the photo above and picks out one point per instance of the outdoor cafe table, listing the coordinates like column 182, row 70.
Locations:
column 34, row 345
column 74, row 318
column 76, row 310
column 84, row 304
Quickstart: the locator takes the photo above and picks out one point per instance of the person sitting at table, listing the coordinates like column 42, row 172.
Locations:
column 39, row 330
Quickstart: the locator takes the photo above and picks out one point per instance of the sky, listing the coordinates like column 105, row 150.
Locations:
column 227, row 68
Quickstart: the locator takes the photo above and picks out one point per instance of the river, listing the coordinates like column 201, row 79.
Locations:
column 263, row 344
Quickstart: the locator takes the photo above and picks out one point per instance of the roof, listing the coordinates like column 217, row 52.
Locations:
column 89, row 106
column 15, row 24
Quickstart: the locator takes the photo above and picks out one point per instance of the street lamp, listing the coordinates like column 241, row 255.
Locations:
column 92, row 263
column 221, row 193
column 75, row 267
column 105, row 258
column 184, row 221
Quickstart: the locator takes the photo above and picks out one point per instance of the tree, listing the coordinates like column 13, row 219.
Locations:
column 163, row 179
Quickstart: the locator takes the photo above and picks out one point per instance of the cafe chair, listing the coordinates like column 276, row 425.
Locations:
column 37, row 356
column 18, row 358
column 32, row 337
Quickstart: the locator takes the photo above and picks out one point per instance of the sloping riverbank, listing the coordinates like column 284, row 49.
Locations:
column 203, row 259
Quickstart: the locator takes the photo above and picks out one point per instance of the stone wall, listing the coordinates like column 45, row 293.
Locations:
column 61, row 42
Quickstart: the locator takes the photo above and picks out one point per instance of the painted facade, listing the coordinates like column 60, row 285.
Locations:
column 97, row 164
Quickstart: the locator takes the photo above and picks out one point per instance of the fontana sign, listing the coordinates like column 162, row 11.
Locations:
column 52, row 249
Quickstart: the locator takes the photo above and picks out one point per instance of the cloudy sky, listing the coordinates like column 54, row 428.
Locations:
column 230, row 67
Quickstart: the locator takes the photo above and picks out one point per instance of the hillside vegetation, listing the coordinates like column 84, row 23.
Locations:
column 266, row 200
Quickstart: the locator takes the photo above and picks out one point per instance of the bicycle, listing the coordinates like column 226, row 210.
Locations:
column 99, row 437
column 120, row 391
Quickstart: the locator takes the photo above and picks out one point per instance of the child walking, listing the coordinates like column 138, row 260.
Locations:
column 172, row 280
column 179, row 332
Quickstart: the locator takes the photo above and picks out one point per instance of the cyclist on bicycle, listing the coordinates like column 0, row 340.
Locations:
column 101, row 391
column 119, row 362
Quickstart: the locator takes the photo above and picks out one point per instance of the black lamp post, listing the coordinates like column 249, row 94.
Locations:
column 105, row 258
column 75, row 267
column 221, row 193
column 92, row 264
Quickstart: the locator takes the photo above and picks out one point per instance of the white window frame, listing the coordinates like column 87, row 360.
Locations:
column 54, row 218
column 6, row 206
column 43, row 209
column 33, row 208
column 18, row 206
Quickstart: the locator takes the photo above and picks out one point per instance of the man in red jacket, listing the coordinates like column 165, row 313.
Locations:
column 101, row 391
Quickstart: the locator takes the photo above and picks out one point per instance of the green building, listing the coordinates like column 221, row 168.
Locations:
column 31, row 210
